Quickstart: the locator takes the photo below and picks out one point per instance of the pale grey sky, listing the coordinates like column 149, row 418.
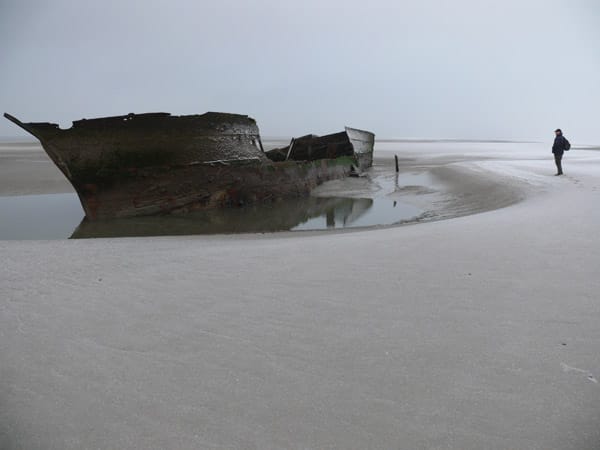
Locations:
column 513, row 69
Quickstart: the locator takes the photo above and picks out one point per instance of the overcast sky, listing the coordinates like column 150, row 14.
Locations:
column 512, row 69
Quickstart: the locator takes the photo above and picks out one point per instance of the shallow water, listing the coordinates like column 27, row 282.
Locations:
column 48, row 216
column 361, row 212
column 60, row 216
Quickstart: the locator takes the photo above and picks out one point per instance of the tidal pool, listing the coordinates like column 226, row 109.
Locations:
column 47, row 216
column 60, row 216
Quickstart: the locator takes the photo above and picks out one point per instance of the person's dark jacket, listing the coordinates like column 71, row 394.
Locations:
column 559, row 145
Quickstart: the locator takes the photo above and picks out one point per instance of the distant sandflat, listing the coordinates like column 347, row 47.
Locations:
column 26, row 169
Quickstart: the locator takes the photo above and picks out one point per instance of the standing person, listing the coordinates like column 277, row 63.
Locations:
column 558, row 148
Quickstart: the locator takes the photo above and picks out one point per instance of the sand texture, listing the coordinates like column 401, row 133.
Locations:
column 478, row 332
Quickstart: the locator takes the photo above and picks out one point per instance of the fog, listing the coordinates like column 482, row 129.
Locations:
column 471, row 69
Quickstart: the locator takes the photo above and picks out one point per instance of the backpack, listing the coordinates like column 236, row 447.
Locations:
column 567, row 144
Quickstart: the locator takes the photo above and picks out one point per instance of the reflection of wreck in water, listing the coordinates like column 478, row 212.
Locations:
column 149, row 164
column 279, row 216
column 346, row 212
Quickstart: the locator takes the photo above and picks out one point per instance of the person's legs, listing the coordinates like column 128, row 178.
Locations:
column 558, row 161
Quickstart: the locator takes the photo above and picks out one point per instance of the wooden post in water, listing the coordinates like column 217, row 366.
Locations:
column 290, row 149
column 397, row 167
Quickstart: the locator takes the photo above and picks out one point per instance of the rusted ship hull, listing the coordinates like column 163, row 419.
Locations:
column 351, row 142
column 180, row 189
column 155, row 163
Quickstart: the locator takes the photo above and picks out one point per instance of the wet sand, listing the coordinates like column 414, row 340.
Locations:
column 25, row 169
column 475, row 332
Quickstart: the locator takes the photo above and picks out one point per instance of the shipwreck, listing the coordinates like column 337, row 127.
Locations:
column 156, row 163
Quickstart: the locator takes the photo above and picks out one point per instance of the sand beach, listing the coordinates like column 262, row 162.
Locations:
column 478, row 329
